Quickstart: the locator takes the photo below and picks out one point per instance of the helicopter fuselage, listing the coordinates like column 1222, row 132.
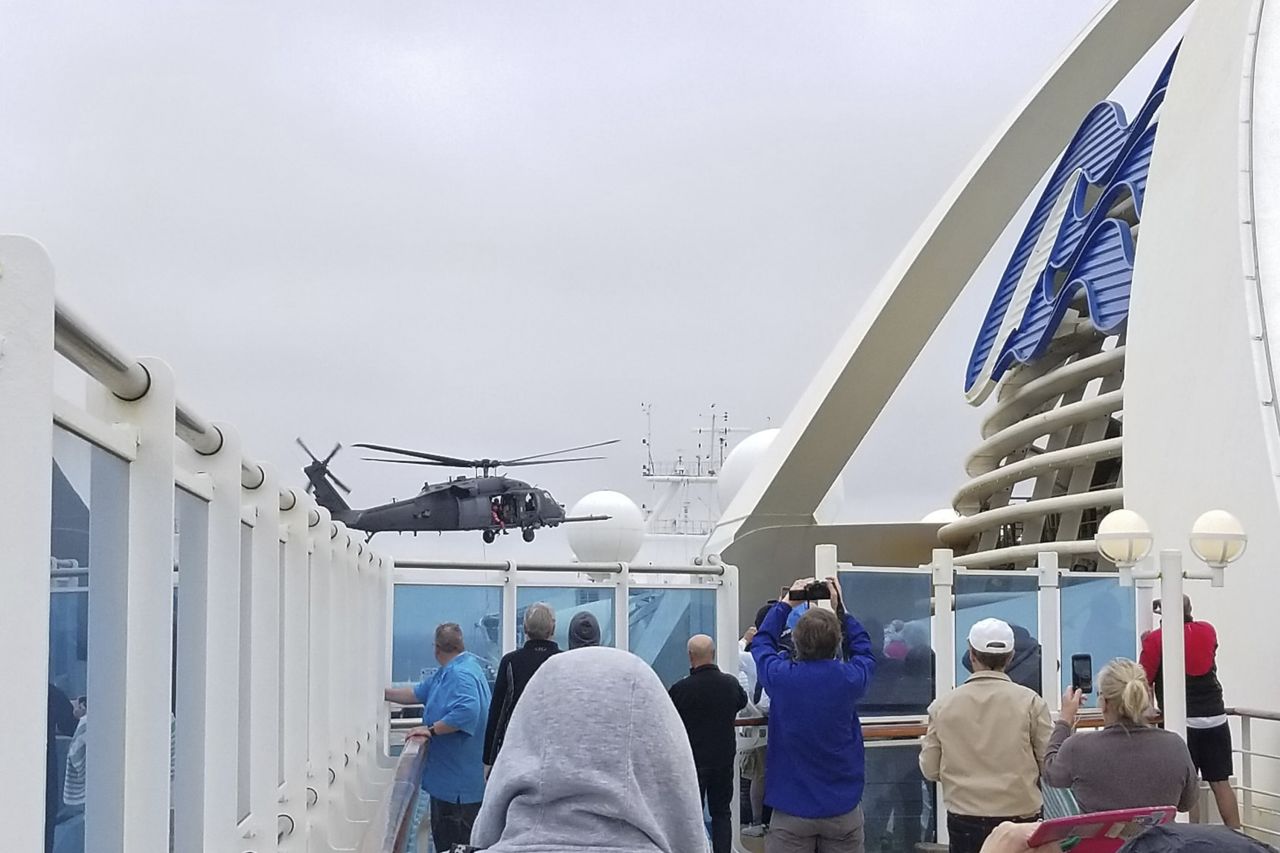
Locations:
column 464, row 503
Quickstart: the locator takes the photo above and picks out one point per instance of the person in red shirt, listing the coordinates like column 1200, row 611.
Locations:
column 1208, row 733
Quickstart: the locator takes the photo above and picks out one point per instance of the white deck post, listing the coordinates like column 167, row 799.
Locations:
column 944, row 646
column 131, row 632
column 294, row 675
column 318, row 739
column 264, row 665
column 1174, row 670
column 26, row 451
column 622, row 608
column 1050, row 602
column 510, row 608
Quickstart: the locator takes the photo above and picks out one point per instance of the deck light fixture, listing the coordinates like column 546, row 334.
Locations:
column 1125, row 539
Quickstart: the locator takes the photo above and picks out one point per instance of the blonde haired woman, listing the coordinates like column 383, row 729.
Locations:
column 1129, row 764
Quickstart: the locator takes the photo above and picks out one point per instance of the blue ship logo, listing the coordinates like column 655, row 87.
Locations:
column 1072, row 243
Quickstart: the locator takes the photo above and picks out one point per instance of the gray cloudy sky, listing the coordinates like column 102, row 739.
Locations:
column 497, row 228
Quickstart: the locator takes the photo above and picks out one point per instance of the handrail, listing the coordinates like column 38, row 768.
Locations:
column 586, row 568
column 1255, row 714
column 126, row 377
column 388, row 831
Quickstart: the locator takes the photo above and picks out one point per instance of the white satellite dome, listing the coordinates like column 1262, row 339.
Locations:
column 743, row 459
column 616, row 540
column 946, row 515
column 740, row 462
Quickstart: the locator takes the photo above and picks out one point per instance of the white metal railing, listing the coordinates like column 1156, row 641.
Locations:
column 316, row 602
column 1259, row 805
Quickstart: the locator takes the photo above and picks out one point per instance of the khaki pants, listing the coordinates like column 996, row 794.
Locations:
column 840, row 834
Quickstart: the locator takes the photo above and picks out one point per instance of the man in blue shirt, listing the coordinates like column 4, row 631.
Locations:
column 815, row 753
column 455, row 702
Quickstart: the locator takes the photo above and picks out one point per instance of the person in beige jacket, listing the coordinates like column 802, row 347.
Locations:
column 986, row 744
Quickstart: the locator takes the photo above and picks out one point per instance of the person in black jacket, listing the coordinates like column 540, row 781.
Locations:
column 514, row 672
column 708, row 700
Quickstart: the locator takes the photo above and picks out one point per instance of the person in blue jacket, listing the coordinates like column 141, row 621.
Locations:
column 815, row 753
column 455, row 702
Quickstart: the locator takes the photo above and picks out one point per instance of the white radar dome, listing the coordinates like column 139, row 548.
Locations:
column 743, row 459
column 740, row 462
column 616, row 540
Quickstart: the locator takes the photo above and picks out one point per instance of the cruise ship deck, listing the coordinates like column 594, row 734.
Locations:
column 233, row 640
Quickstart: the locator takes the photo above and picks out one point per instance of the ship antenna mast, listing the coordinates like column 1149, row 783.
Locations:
column 647, row 408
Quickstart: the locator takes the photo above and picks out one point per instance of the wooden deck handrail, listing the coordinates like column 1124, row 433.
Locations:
column 872, row 730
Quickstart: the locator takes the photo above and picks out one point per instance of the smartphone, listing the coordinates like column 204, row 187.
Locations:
column 1082, row 673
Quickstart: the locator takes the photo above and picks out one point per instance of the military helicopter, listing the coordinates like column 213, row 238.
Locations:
column 494, row 505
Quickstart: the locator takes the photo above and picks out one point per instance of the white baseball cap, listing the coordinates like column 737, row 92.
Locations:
column 991, row 635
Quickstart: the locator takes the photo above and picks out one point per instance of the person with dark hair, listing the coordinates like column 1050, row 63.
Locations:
column 707, row 701
column 1208, row 732
column 584, row 631
column 986, row 743
column 515, row 670
column 817, row 767
column 455, row 700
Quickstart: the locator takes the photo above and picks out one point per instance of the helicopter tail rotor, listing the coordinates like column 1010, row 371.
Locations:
column 321, row 467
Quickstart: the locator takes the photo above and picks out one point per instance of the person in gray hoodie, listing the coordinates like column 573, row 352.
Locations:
column 595, row 759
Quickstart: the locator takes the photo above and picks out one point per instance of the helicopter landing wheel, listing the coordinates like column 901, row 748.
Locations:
column 527, row 534
column 489, row 536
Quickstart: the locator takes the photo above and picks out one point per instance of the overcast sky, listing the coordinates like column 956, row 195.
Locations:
column 497, row 229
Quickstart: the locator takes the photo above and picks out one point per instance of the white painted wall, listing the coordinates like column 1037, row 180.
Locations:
column 1194, row 437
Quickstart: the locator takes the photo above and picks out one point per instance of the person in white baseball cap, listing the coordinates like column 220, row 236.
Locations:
column 986, row 743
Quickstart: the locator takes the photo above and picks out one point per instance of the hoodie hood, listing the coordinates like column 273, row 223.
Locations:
column 595, row 759
column 584, row 630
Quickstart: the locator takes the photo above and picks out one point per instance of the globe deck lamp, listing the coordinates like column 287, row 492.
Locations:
column 1218, row 539
column 1124, row 538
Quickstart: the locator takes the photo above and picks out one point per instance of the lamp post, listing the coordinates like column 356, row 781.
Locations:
column 1217, row 538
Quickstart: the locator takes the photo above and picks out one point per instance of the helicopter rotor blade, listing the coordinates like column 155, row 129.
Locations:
column 306, row 449
column 451, row 461
column 341, row 485
column 504, row 465
column 558, row 452
column 332, row 453
column 552, row 461
column 411, row 462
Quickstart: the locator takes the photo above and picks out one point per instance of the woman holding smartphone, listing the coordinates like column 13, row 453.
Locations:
column 1129, row 764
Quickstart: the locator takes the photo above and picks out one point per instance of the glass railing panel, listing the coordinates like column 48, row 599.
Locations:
column 420, row 608
column 661, row 621
column 1099, row 620
column 567, row 602
column 897, row 802
column 89, row 524
column 244, row 745
column 191, row 554
column 895, row 609
column 1013, row 598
